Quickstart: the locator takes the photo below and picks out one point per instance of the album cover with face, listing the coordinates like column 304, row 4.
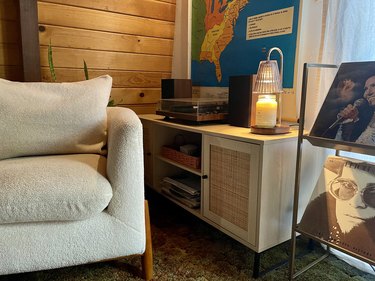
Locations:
column 347, row 114
column 342, row 207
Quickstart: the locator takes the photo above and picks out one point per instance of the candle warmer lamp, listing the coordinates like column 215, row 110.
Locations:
column 268, row 85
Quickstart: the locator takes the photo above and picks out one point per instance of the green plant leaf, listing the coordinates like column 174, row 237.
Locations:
column 85, row 70
column 111, row 103
column 50, row 62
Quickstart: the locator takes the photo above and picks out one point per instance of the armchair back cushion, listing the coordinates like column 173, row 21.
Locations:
column 53, row 118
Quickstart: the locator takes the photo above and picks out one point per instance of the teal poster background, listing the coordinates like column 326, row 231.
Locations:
column 241, row 56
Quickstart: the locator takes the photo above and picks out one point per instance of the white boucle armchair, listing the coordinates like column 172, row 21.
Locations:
column 71, row 178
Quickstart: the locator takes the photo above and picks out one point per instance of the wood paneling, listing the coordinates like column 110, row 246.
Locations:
column 142, row 108
column 66, row 57
column 106, row 41
column 168, row 1
column 10, row 41
column 135, row 96
column 131, row 40
column 122, row 79
column 146, row 8
column 69, row 16
column 129, row 88
column 9, row 10
column 11, row 72
column 10, row 32
column 10, row 54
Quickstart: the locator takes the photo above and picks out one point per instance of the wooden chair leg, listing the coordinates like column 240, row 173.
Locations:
column 147, row 262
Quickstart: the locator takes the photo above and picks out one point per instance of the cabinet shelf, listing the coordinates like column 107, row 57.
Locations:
column 197, row 172
column 196, row 212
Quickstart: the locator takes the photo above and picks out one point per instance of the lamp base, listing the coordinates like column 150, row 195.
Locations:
column 278, row 129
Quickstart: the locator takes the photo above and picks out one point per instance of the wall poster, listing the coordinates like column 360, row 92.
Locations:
column 342, row 208
column 231, row 37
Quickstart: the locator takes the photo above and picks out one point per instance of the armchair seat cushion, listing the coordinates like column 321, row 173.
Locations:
column 53, row 188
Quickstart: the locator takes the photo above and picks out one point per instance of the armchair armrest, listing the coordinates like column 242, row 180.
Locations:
column 125, row 167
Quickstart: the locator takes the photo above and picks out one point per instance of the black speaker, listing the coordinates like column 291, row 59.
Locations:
column 241, row 101
column 176, row 88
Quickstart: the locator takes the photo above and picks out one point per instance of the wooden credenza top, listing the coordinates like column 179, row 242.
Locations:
column 223, row 130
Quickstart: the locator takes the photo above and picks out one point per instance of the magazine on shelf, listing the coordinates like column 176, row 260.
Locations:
column 191, row 203
column 178, row 191
column 183, row 188
column 188, row 183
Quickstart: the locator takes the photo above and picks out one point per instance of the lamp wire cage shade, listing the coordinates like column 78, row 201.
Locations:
column 268, row 80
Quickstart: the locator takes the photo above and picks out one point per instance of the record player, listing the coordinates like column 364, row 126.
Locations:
column 194, row 109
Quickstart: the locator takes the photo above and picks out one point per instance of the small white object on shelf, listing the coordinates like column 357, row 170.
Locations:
column 189, row 149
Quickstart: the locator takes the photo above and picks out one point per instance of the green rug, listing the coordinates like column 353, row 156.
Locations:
column 186, row 248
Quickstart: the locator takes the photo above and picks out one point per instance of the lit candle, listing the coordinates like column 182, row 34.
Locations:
column 266, row 111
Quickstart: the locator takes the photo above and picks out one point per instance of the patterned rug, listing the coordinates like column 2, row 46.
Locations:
column 187, row 249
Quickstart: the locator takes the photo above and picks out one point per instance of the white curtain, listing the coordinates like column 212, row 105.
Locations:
column 349, row 30
column 349, row 26
column 349, row 33
column 332, row 32
column 344, row 32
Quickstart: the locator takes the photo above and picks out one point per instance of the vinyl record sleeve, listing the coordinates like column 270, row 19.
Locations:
column 347, row 114
column 341, row 210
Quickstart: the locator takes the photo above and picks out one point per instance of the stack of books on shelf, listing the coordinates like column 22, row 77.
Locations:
column 185, row 189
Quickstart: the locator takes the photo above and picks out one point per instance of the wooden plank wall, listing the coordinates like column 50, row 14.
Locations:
column 10, row 41
column 131, row 40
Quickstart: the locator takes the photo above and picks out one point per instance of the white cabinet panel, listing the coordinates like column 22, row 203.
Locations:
column 247, row 179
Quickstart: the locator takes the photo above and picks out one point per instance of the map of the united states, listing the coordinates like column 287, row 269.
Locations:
column 219, row 21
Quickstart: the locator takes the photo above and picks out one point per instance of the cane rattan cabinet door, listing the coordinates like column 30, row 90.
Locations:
column 230, row 185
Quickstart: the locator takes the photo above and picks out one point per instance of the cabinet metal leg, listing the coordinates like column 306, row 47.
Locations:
column 256, row 267
column 311, row 245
